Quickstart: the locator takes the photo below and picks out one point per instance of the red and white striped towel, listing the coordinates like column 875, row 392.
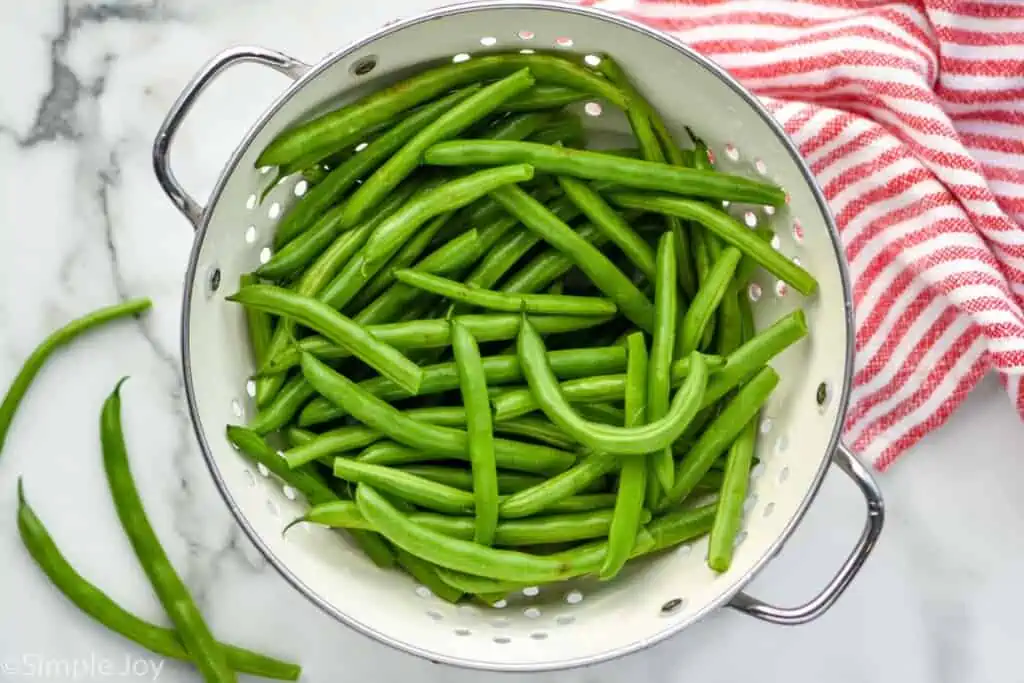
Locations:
column 911, row 115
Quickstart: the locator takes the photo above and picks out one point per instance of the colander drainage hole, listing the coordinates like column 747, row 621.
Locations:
column 250, row 479
column 564, row 41
column 364, row 66
column 500, row 604
column 732, row 152
column 236, row 407
column 501, row 622
column 488, row 41
column 525, row 35
column 461, row 57
column 768, row 510
column 288, row 492
column 539, row 635
column 750, row 218
column 766, row 425
column 673, row 606
column 502, row 640
column 274, row 211
column 250, row 388
column 574, row 597
column 761, row 167
column 783, row 475
column 300, row 188
column 265, row 254
column 798, row 232
column 754, row 292
column 250, row 234
column 272, row 508
column 250, row 202
column 213, row 281
column 463, row 632
column 781, row 288
column 821, row 395
column 423, row 592
column 740, row 537
column 531, row 591
column 592, row 60
column 531, row 613
column 564, row 619
column 776, row 243
column 435, row 615
column 262, row 469
column 593, row 108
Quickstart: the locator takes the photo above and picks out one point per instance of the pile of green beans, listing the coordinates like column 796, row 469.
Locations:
column 479, row 338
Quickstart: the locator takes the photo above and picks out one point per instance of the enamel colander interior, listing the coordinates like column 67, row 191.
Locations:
column 582, row 621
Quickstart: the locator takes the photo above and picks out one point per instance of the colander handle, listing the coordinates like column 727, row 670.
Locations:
column 277, row 61
column 811, row 610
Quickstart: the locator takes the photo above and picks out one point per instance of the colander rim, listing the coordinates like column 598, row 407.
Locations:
column 842, row 397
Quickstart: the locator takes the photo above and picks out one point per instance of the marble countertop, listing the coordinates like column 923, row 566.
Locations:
column 84, row 224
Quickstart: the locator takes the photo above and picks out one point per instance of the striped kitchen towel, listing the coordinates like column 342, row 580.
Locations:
column 911, row 115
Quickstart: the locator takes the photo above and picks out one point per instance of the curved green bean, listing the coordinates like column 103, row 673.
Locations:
column 629, row 500
column 530, row 501
column 398, row 228
column 552, row 304
column 319, row 199
column 723, row 430
column 428, row 334
column 195, row 635
column 92, row 601
column 423, row 492
column 448, row 125
column 732, row 494
column 602, row 272
column 19, row 387
column 318, row 316
column 623, row 171
column 379, row 415
column 345, row 126
column 566, row 364
column 729, row 230
column 479, row 427
column 703, row 307
column 654, row 435
column 303, row 480
column 444, row 551
column 666, row 315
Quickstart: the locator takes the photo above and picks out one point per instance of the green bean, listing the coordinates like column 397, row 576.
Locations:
column 296, row 436
column 473, row 389
column 426, row 575
column 444, row 551
column 345, row 126
column 582, row 503
column 654, row 435
column 537, row 429
column 518, row 126
column 462, row 479
column 195, row 635
column 503, row 369
column 396, row 482
column 92, row 601
column 318, row 316
column 318, row 200
column 598, row 412
column 500, row 301
column 295, row 393
column 259, row 325
column 537, row 498
column 19, row 387
column 729, row 230
column 602, row 272
column 623, row 171
column 548, row 266
column 680, row 526
column 448, row 125
column 428, row 334
column 518, row 401
column 302, row 479
column 404, row 258
column 733, row 494
column 748, row 266
column 543, row 97
column 729, row 326
column 629, row 501
column 608, row 221
column 666, row 305
column 567, row 131
column 754, row 354
column 741, row 409
column 398, row 228
column 298, row 252
column 703, row 307
column 375, row 413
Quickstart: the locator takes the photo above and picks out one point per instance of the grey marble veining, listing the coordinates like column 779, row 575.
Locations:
column 83, row 223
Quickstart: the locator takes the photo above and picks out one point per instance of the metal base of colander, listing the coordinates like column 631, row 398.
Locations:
column 585, row 621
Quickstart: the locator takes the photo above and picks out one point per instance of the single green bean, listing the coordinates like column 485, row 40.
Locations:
column 195, row 635
column 680, row 526
column 542, row 97
column 375, row 413
column 545, row 268
column 295, row 393
column 499, row 301
column 345, row 126
column 426, row 575
column 704, row 306
column 539, row 430
column 301, row 250
column 567, row 131
column 423, row 492
column 654, row 435
column 623, row 171
column 19, row 387
column 296, row 436
column 607, row 220
column 629, row 500
column 666, row 306
column 428, row 334
column 318, row 200
column 518, row 126
column 599, row 412
column 448, row 125
column 462, row 479
column 259, row 325
column 540, row 497
column 302, row 479
column 479, row 427
column 445, row 551
column 566, row 364
column 729, row 230
column 731, row 497
column 740, row 410
column 398, row 228
column 318, row 316
column 730, row 332
column 604, row 274
column 92, row 601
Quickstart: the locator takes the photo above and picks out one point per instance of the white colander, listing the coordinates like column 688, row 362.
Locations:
column 580, row 622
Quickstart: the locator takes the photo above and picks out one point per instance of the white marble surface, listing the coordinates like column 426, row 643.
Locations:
column 84, row 223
